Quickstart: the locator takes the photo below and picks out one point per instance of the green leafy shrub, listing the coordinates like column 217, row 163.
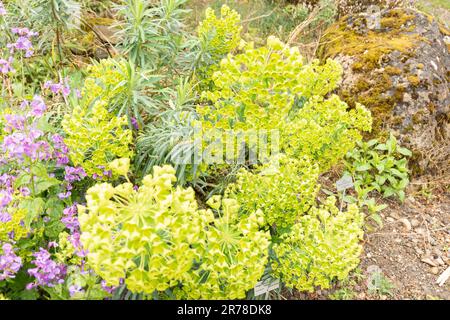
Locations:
column 152, row 32
column 283, row 189
column 125, row 89
column 324, row 245
column 148, row 237
column 379, row 166
column 272, row 88
column 155, row 238
column 234, row 257
column 217, row 37
column 222, row 33
column 95, row 137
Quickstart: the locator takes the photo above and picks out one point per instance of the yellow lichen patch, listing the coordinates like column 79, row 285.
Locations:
column 370, row 48
column 393, row 71
column 396, row 19
column 444, row 30
column 414, row 80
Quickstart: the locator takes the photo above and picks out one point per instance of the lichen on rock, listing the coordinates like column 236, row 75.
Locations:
column 400, row 72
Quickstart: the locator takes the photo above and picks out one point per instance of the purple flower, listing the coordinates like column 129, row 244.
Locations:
column 5, row 217
column 135, row 123
column 15, row 121
column 73, row 289
column 76, row 242
column 2, row 9
column 38, row 106
column 19, row 145
column 25, row 191
column 60, row 150
column 5, row 65
column 57, row 88
column 70, row 219
column 74, row 174
column 5, row 197
column 10, row 263
column 109, row 289
column 47, row 272
column 7, row 180
column 64, row 195
column 52, row 244
column 23, row 42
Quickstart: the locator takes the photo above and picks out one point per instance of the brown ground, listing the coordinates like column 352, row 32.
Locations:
column 412, row 250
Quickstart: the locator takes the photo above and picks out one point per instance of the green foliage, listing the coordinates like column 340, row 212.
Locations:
column 222, row 33
column 52, row 19
column 283, row 189
column 151, row 33
column 170, row 140
column 379, row 166
column 148, row 237
column 343, row 294
column 217, row 36
column 378, row 284
column 324, row 245
column 125, row 89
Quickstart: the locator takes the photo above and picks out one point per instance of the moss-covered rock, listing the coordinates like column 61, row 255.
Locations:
column 345, row 7
column 400, row 71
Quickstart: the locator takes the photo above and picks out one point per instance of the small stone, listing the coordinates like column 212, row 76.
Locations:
column 395, row 215
column 406, row 223
column 434, row 270
column 420, row 231
column 415, row 223
column 411, row 199
column 369, row 255
column 390, row 219
column 439, row 261
column 429, row 262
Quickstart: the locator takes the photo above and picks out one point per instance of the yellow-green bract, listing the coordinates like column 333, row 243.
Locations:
column 155, row 238
column 324, row 245
column 283, row 189
column 223, row 33
column 272, row 88
column 96, row 137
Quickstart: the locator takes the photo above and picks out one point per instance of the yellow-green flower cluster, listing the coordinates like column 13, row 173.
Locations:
column 66, row 252
column 103, row 81
column 271, row 88
column 283, row 189
column 156, row 238
column 149, row 237
column 15, row 226
column 95, row 137
column 325, row 130
column 223, row 33
column 324, row 245
column 234, row 257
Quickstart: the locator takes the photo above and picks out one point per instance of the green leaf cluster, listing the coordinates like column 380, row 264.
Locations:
column 379, row 166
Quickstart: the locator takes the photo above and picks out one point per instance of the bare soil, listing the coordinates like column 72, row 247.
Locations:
column 411, row 250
